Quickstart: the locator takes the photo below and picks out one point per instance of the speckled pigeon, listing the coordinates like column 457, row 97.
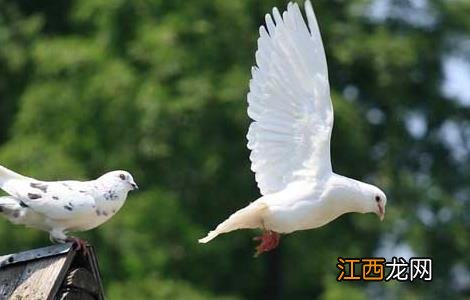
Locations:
column 60, row 207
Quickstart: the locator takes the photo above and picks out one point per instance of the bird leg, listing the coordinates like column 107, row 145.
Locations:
column 79, row 244
column 269, row 240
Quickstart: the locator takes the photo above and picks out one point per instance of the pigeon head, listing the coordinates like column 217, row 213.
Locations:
column 120, row 179
column 357, row 196
column 375, row 200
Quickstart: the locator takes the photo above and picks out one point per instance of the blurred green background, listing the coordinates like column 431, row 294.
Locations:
column 159, row 88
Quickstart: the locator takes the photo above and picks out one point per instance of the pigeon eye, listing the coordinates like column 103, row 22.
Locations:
column 122, row 176
column 377, row 198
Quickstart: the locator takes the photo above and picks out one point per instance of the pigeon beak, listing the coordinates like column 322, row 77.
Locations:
column 134, row 186
column 381, row 212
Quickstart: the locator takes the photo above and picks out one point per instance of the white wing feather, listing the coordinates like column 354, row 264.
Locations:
column 289, row 102
column 62, row 200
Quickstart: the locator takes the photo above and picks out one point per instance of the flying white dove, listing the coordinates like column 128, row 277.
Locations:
column 60, row 207
column 289, row 138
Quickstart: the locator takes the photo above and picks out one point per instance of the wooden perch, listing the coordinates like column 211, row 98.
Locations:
column 54, row 272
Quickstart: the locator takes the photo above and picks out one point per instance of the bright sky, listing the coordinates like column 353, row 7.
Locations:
column 457, row 79
column 455, row 65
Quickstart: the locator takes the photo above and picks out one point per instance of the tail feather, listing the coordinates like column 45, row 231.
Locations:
column 7, row 174
column 11, row 209
column 8, row 179
column 248, row 217
column 18, row 213
column 9, row 205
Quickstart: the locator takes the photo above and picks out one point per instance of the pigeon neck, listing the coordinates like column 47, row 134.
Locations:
column 350, row 195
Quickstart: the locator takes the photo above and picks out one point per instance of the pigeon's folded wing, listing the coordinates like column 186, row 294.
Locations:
column 289, row 102
column 56, row 200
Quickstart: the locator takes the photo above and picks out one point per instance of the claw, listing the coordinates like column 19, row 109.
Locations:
column 79, row 245
column 269, row 241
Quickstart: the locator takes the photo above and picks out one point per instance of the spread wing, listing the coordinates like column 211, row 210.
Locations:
column 57, row 200
column 289, row 102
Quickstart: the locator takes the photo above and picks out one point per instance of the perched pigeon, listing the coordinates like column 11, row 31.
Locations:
column 63, row 206
column 289, row 138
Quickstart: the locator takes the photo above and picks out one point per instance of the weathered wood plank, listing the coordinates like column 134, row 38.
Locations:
column 55, row 272
column 82, row 279
column 9, row 280
column 38, row 278
column 93, row 261
column 76, row 295
column 29, row 255
column 62, row 273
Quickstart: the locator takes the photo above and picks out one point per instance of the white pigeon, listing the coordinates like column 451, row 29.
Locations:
column 289, row 138
column 60, row 207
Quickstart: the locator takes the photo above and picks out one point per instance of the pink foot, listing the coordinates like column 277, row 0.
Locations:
column 79, row 245
column 269, row 241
